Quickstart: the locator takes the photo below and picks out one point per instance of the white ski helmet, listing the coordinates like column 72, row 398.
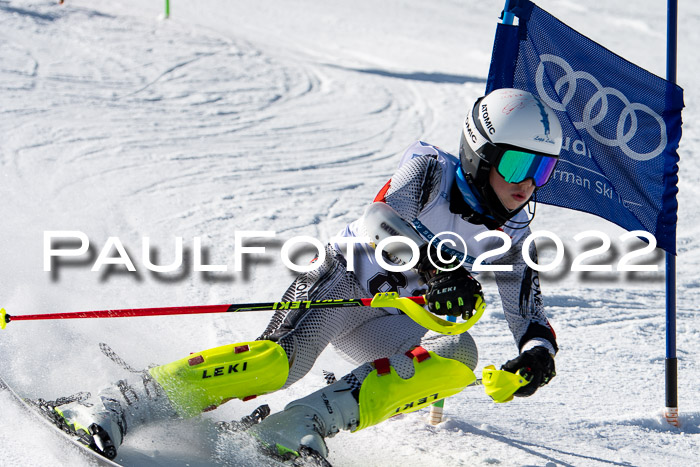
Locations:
column 515, row 132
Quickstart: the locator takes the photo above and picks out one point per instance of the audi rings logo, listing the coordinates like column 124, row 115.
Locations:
column 588, row 119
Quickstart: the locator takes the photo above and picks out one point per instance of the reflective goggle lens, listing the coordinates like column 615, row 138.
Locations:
column 517, row 166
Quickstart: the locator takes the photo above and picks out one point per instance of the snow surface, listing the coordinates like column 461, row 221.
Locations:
column 289, row 116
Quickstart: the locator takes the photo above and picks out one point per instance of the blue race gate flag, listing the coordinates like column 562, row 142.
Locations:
column 621, row 124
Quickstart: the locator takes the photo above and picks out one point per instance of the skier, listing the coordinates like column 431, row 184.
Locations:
column 509, row 146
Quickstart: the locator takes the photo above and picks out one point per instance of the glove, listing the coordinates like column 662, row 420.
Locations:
column 536, row 365
column 453, row 292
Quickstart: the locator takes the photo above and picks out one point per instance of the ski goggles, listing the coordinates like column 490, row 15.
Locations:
column 517, row 165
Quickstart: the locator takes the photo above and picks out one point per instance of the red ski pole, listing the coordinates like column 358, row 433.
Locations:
column 195, row 309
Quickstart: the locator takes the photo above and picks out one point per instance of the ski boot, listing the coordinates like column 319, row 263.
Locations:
column 86, row 428
column 102, row 430
column 101, row 422
column 299, row 430
column 367, row 396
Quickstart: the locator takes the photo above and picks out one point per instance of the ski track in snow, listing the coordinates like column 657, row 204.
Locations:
column 290, row 118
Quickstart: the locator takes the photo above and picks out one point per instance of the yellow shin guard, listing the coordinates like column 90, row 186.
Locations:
column 205, row 380
column 384, row 393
